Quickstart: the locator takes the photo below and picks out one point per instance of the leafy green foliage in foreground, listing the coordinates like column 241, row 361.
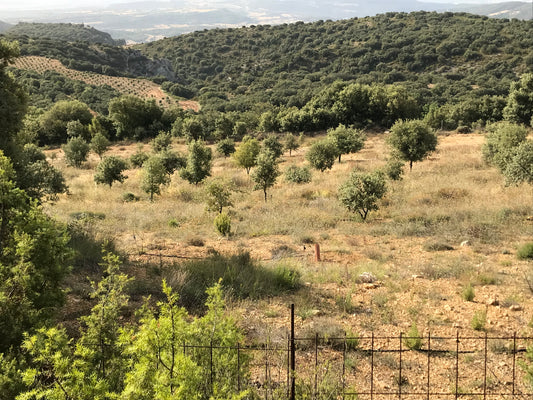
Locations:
column 33, row 261
column 145, row 361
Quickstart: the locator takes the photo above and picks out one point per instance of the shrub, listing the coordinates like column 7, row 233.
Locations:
column 223, row 224
column 525, row 252
column 361, row 192
column 413, row 340
column 479, row 320
column 297, row 174
column 129, row 197
column 76, row 151
column 137, row 160
column 394, row 169
column 468, row 293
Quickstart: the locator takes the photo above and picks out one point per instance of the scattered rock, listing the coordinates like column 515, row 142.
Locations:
column 371, row 285
column 465, row 243
column 515, row 307
column 493, row 302
column 447, row 307
column 417, row 276
column 366, row 277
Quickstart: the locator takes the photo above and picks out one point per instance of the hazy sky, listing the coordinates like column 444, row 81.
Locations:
column 62, row 4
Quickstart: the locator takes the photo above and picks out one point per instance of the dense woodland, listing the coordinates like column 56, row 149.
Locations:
column 410, row 73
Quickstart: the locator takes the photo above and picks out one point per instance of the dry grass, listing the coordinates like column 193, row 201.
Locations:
column 450, row 198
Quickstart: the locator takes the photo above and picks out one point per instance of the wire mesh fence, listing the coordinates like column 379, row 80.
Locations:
column 383, row 367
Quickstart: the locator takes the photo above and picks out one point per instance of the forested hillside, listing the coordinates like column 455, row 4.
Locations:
column 439, row 57
column 66, row 32
column 86, row 56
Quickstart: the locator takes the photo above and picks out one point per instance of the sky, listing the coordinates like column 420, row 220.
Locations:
column 63, row 4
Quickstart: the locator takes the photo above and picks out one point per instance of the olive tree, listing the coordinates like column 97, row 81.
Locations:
column 266, row 172
column 291, row 143
column 348, row 140
column 361, row 192
column 246, row 154
column 76, row 151
column 198, row 162
column 154, row 174
column 110, row 170
column 218, row 195
column 322, row 154
column 413, row 140
column 99, row 144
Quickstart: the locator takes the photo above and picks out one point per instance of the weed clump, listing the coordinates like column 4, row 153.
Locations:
column 525, row 252
column 240, row 275
column 223, row 224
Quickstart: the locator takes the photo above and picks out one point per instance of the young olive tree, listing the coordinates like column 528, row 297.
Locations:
column 198, row 163
column 154, row 174
column 413, row 140
column 110, row 170
column 273, row 145
column 322, row 154
column 246, row 154
column 362, row 191
column 291, row 143
column 348, row 140
column 99, row 144
column 226, row 147
column 76, row 151
column 218, row 195
column 266, row 172
column 161, row 142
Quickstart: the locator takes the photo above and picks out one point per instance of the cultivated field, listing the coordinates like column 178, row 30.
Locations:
column 138, row 87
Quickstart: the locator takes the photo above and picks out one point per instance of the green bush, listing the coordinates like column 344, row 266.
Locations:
column 297, row 174
column 468, row 293
column 223, row 224
column 129, row 197
column 137, row 160
column 479, row 320
column 525, row 252
column 413, row 340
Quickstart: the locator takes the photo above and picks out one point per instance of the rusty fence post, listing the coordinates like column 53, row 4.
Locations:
column 317, row 252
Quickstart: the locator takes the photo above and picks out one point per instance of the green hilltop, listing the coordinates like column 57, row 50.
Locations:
column 439, row 57
column 62, row 31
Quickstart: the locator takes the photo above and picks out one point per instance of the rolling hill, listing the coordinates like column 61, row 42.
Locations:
column 4, row 26
column 440, row 57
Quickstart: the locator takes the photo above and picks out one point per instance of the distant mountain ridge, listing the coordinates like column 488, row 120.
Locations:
column 63, row 31
column 145, row 21
column 4, row 26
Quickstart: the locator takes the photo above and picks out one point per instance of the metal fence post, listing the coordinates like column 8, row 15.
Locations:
column 292, row 395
